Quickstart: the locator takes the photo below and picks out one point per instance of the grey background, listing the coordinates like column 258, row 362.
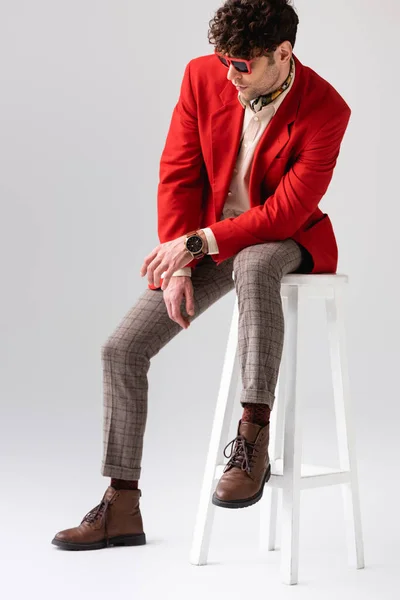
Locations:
column 87, row 93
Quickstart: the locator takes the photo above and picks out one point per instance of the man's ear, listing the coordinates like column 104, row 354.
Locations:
column 285, row 52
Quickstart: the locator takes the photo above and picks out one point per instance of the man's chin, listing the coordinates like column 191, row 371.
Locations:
column 248, row 95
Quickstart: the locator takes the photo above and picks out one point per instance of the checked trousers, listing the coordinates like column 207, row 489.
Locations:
column 146, row 328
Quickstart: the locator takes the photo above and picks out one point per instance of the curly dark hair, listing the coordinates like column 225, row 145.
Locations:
column 247, row 28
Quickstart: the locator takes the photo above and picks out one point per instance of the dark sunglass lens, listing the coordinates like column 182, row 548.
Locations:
column 222, row 59
column 240, row 66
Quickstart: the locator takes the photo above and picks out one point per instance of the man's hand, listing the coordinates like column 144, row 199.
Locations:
column 179, row 288
column 168, row 257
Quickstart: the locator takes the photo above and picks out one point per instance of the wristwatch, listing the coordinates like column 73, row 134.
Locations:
column 194, row 244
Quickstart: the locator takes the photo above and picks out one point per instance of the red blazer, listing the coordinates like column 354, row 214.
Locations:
column 292, row 166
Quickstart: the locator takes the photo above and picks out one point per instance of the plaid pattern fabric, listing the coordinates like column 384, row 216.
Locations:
column 146, row 328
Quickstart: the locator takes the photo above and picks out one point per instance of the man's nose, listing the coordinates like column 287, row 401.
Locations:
column 232, row 73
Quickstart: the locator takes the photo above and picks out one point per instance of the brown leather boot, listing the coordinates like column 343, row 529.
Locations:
column 116, row 521
column 248, row 468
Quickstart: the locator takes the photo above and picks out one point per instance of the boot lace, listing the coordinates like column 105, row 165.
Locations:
column 242, row 454
column 98, row 512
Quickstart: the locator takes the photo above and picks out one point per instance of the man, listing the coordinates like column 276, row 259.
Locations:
column 250, row 152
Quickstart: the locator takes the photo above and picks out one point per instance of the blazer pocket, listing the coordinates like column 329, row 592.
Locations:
column 284, row 156
column 314, row 223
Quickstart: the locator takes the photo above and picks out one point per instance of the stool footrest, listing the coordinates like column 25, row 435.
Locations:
column 312, row 476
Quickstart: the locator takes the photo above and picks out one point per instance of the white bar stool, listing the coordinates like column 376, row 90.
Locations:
column 285, row 446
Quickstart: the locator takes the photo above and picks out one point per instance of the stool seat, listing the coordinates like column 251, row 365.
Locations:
column 333, row 279
column 288, row 474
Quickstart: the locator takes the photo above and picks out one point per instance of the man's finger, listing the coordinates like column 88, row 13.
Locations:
column 168, row 305
column 158, row 272
column 166, row 280
column 151, row 269
column 190, row 300
column 169, row 271
column 178, row 317
column 147, row 261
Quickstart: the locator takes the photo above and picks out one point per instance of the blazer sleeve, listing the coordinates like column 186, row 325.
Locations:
column 181, row 176
column 295, row 198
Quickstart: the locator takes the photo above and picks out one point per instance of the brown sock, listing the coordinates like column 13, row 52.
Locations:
column 123, row 484
column 256, row 413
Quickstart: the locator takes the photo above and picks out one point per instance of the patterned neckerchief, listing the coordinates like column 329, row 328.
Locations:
column 258, row 103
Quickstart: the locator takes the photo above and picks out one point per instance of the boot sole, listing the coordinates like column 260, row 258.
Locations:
column 137, row 539
column 242, row 503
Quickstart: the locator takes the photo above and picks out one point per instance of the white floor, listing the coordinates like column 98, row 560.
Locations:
column 32, row 568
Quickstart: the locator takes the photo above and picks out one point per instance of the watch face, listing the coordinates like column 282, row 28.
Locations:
column 194, row 244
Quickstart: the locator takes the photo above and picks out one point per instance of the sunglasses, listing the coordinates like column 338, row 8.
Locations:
column 240, row 64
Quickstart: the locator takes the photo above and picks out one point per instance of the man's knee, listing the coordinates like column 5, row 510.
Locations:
column 112, row 348
column 252, row 261
column 117, row 348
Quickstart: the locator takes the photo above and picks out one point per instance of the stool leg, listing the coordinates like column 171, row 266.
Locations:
column 344, row 427
column 219, row 435
column 292, row 449
column 269, row 505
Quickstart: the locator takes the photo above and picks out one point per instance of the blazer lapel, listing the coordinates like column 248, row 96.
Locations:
column 226, row 131
column 276, row 135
